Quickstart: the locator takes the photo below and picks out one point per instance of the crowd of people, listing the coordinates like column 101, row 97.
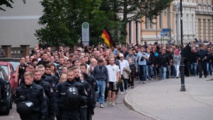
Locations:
column 69, row 84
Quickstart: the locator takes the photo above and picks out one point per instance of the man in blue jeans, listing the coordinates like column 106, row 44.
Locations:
column 101, row 75
column 163, row 62
column 141, row 58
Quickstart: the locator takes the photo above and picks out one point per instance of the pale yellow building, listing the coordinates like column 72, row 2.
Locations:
column 197, row 22
column 204, row 20
column 151, row 32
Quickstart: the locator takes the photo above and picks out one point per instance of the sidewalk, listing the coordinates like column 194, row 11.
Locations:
column 162, row 100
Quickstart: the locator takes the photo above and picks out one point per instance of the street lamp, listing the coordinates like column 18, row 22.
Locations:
column 181, row 36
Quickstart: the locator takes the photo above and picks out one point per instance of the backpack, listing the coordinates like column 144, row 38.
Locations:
column 25, row 107
column 72, row 97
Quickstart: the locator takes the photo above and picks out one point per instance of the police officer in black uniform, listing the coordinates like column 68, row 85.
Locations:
column 30, row 100
column 48, row 92
column 202, row 55
column 88, row 82
column 69, row 97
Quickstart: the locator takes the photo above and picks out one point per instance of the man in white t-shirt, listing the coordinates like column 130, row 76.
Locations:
column 114, row 75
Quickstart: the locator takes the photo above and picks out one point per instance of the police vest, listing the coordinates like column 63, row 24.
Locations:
column 72, row 97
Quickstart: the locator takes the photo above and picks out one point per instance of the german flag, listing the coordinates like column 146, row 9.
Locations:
column 107, row 38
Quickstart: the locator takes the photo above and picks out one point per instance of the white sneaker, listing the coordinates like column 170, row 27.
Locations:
column 122, row 93
column 109, row 103
column 126, row 91
column 102, row 106
column 113, row 104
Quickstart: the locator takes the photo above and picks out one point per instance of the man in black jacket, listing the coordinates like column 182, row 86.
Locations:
column 69, row 98
column 44, row 60
column 163, row 62
column 48, row 92
column 193, row 61
column 202, row 57
column 30, row 100
column 101, row 76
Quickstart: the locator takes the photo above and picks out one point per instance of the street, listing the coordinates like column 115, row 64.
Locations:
column 119, row 112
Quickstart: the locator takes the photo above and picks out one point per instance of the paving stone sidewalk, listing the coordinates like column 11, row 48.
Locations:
column 162, row 100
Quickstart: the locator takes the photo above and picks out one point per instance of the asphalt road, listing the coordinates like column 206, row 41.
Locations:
column 118, row 112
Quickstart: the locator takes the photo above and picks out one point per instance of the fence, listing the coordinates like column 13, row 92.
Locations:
column 15, row 52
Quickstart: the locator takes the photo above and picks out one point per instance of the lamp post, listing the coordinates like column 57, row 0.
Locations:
column 181, row 36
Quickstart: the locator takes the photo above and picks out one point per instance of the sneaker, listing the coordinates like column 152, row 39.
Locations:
column 122, row 93
column 102, row 106
column 132, row 86
column 113, row 104
column 126, row 91
column 143, row 82
column 109, row 103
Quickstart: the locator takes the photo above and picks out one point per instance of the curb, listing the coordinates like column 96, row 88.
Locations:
column 131, row 107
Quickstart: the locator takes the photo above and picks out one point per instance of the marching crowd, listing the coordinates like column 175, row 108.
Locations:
column 69, row 85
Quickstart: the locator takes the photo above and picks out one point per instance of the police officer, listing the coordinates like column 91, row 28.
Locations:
column 69, row 98
column 89, row 84
column 48, row 92
column 202, row 57
column 30, row 100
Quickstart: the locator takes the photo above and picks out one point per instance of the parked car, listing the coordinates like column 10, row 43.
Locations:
column 14, row 61
column 5, row 93
column 8, row 68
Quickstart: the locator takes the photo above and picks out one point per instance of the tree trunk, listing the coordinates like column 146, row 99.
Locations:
column 124, row 23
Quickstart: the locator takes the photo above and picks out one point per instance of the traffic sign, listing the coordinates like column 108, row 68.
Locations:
column 165, row 32
column 85, row 33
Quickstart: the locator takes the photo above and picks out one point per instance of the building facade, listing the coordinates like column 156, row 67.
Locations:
column 204, row 20
column 197, row 22
column 18, row 24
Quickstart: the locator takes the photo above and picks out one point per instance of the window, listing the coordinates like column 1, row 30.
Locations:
column 148, row 24
column 209, row 24
column 204, row 29
column 199, row 28
column 160, row 20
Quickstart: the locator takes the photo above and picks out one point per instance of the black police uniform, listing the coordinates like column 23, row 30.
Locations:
column 31, row 94
column 50, row 79
column 202, row 54
column 66, row 108
column 49, row 96
column 87, row 114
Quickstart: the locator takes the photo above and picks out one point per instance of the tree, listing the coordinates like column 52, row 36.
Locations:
column 7, row 3
column 62, row 20
column 136, row 9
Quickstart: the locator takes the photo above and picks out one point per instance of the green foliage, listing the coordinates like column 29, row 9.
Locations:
column 7, row 3
column 62, row 19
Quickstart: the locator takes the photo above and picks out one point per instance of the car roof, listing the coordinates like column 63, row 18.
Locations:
column 4, row 63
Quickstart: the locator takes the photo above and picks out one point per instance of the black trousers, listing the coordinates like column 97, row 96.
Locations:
column 33, row 116
column 202, row 68
column 132, row 77
column 70, row 115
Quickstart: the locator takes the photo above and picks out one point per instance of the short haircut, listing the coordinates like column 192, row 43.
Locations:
column 28, row 74
column 48, row 66
column 36, row 71
column 73, row 68
column 30, row 64
column 83, row 64
column 40, row 66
